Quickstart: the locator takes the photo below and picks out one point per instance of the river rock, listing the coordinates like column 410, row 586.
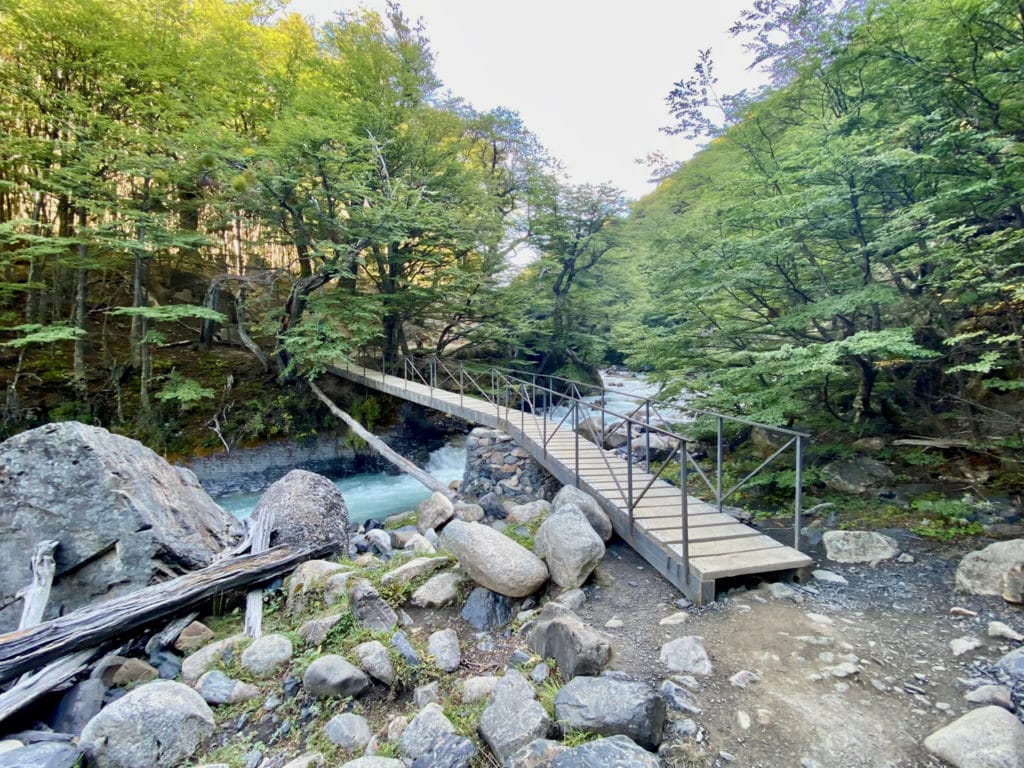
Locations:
column 193, row 667
column 415, row 569
column 158, row 725
column 537, row 754
column 372, row 762
column 375, row 661
column 859, row 546
column 423, row 729
column 309, row 511
column 443, row 645
column 307, row 760
column 857, row 474
column 982, row 572
column 306, row 581
column 687, row 656
column 267, row 656
column 514, row 717
column 477, row 688
column 1000, row 695
column 370, row 609
column 44, row 754
column 123, row 516
column 349, row 731
column 194, row 636
column 315, row 631
column 493, row 560
column 577, row 648
column 434, row 512
column 521, row 514
column 611, row 752
column 439, row 590
column 449, row 750
column 217, row 688
column 987, row 737
column 405, row 649
column 331, row 675
column 569, row 546
column 1013, row 584
column 1012, row 663
column 611, row 706
column 78, row 706
column 587, row 504
column 486, row 610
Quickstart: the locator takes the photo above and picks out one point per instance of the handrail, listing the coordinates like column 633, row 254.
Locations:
column 507, row 384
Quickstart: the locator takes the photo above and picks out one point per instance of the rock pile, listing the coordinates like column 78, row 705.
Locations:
column 495, row 464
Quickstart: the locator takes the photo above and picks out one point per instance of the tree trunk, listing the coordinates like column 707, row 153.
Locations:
column 243, row 334
column 97, row 623
column 207, row 327
column 140, row 298
column 81, row 296
column 424, row 478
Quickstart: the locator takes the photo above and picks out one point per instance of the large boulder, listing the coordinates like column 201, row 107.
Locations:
column 859, row 546
column 612, row 752
column 123, row 516
column 570, row 496
column 988, row 737
column 857, row 475
column 611, row 706
column 982, row 572
column 309, row 511
column 577, row 648
column 570, row 547
column 493, row 560
column 434, row 512
column 158, row 725
column 513, row 717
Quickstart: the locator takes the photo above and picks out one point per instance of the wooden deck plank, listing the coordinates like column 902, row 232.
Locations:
column 705, row 533
column 737, row 546
column 762, row 561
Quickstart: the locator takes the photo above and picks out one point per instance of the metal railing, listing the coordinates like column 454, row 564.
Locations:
column 523, row 399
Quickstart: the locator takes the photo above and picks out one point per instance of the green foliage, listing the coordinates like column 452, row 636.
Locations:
column 34, row 333
column 184, row 391
column 946, row 519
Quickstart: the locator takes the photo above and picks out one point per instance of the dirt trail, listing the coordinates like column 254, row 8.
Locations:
column 851, row 675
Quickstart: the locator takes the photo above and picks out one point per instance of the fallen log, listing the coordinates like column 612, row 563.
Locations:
column 52, row 677
column 28, row 649
column 406, row 466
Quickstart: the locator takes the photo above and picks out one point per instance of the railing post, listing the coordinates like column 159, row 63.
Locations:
column 647, row 436
column 576, row 432
column 522, row 409
column 684, row 486
column 462, row 384
column 799, row 500
column 718, row 468
column 629, row 469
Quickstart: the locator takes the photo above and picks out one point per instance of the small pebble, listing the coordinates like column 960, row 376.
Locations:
column 956, row 610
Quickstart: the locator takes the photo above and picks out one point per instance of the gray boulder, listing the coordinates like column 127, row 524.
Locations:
column 267, row 656
column 123, row 516
column 443, row 645
column 434, row 512
column 612, row 752
column 78, row 706
column 193, row 667
column 439, row 590
column 349, row 731
column 375, row 661
column 859, row 546
column 569, row 546
column 982, row 572
column 858, row 474
column 611, row 706
column 425, row 727
column 577, row 648
column 309, row 511
column 158, row 725
column 537, row 754
column 687, row 656
column 332, row 675
column 493, row 560
column 988, row 737
column 315, row 631
column 514, row 717
column 370, row 609
column 486, row 610
column 217, row 688
column 587, row 504
column 44, row 754
column 447, row 751
column 415, row 569
column 521, row 514
column 1012, row 663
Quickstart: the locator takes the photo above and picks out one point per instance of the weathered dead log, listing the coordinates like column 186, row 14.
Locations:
column 424, row 478
column 28, row 649
column 50, row 678
column 37, row 594
column 261, row 530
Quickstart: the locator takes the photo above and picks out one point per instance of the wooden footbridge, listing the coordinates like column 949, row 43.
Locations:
column 690, row 542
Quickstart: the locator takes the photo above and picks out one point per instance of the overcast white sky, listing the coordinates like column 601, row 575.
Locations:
column 588, row 78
